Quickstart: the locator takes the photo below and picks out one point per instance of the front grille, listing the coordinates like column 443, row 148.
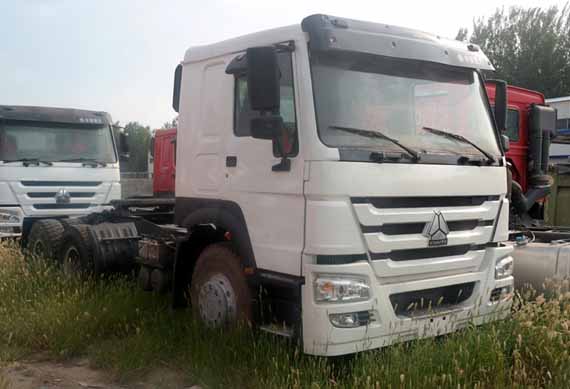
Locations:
column 422, row 301
column 426, row 253
column 423, row 202
column 61, row 183
column 62, row 206
column 393, row 227
column 417, row 228
column 39, row 195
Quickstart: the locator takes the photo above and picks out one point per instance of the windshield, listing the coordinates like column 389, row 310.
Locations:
column 399, row 98
column 55, row 141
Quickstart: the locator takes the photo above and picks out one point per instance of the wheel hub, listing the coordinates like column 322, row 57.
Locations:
column 217, row 301
column 71, row 261
column 39, row 250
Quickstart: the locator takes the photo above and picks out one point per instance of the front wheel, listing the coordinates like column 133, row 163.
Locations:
column 219, row 292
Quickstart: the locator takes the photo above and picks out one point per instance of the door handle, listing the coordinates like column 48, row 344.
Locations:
column 231, row 161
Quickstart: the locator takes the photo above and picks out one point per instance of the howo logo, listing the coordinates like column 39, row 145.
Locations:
column 62, row 197
column 436, row 230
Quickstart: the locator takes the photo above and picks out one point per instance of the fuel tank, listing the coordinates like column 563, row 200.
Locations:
column 537, row 261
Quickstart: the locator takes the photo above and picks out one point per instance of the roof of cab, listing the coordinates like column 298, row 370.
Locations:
column 53, row 114
column 240, row 44
column 362, row 36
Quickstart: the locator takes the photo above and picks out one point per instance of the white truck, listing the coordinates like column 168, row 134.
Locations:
column 54, row 163
column 340, row 181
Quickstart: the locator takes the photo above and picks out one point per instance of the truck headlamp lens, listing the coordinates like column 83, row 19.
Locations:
column 340, row 288
column 504, row 268
column 9, row 216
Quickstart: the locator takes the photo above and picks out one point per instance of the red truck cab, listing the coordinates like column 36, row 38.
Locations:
column 164, row 165
column 519, row 101
column 530, row 126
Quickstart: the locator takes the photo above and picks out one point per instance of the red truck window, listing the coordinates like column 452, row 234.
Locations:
column 513, row 124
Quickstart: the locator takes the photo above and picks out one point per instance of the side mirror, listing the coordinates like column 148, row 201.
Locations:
column 263, row 79
column 176, row 89
column 543, row 118
column 124, row 152
column 505, row 142
column 266, row 127
column 500, row 104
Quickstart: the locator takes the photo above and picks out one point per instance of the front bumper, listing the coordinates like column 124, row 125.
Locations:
column 320, row 337
column 13, row 228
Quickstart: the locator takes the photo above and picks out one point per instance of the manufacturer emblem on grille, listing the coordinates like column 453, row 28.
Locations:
column 436, row 230
column 62, row 197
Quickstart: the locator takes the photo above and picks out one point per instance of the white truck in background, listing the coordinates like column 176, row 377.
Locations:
column 54, row 163
column 340, row 181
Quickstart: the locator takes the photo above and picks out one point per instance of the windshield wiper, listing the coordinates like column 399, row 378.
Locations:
column 29, row 161
column 462, row 139
column 86, row 161
column 377, row 134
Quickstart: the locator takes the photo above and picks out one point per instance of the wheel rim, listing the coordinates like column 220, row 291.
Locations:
column 217, row 301
column 39, row 249
column 72, row 260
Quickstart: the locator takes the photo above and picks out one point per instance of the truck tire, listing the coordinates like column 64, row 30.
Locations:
column 76, row 253
column 45, row 239
column 219, row 292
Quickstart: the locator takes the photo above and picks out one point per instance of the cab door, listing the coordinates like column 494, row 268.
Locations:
column 272, row 201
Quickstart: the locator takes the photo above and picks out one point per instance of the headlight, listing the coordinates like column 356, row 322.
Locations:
column 10, row 216
column 504, row 268
column 340, row 288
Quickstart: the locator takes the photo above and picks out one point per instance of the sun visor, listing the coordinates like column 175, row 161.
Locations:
column 329, row 33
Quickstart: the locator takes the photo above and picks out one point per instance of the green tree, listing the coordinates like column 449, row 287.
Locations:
column 171, row 124
column 139, row 141
column 529, row 47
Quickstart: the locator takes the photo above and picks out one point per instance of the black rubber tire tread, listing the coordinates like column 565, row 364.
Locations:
column 79, row 236
column 71, row 221
column 143, row 278
column 49, row 233
column 221, row 258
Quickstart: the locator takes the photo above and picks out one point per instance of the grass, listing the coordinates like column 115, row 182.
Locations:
column 130, row 332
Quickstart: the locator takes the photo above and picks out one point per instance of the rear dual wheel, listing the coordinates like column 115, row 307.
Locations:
column 76, row 252
column 45, row 239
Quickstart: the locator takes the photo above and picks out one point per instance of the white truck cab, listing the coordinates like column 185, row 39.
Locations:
column 357, row 170
column 54, row 163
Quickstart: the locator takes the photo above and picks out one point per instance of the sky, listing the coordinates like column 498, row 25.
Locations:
column 119, row 55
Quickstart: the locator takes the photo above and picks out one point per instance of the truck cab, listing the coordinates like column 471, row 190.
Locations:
column 54, row 163
column 356, row 172
column 163, row 153
column 530, row 127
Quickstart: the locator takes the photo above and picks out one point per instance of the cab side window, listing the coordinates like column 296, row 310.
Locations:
column 243, row 114
column 513, row 125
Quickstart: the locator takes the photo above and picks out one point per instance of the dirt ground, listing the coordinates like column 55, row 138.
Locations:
column 77, row 374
